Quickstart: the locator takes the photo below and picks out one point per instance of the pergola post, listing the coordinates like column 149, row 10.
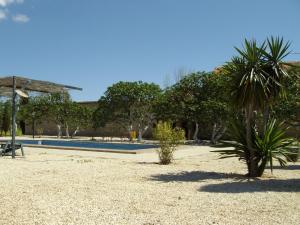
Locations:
column 13, row 133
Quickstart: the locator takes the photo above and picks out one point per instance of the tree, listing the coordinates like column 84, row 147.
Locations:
column 129, row 104
column 214, row 103
column 34, row 110
column 198, row 98
column 180, row 102
column 79, row 117
column 58, row 108
column 68, row 114
column 6, row 117
column 257, row 73
column 288, row 106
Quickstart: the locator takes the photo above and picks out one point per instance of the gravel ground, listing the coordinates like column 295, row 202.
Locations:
column 72, row 187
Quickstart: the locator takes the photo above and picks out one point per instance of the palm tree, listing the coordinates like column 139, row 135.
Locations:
column 276, row 73
column 257, row 74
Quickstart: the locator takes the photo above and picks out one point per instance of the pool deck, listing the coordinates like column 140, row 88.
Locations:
column 52, row 186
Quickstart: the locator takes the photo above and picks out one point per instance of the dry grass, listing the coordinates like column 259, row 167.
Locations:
column 68, row 187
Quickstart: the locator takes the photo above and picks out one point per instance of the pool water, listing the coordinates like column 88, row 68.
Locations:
column 87, row 144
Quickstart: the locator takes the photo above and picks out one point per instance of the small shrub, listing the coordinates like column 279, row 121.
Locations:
column 18, row 133
column 169, row 139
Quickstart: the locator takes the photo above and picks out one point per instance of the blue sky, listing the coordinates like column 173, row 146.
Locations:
column 94, row 43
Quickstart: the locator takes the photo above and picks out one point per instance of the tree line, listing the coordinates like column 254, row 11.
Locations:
column 68, row 116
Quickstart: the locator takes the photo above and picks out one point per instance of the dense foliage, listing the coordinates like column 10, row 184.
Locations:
column 198, row 99
column 287, row 108
column 129, row 104
column 5, row 119
column 57, row 108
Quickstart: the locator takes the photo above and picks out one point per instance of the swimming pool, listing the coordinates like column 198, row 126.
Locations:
column 85, row 145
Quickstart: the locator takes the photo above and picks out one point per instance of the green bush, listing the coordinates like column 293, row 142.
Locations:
column 169, row 138
column 18, row 133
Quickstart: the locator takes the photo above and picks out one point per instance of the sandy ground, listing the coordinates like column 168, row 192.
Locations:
column 73, row 187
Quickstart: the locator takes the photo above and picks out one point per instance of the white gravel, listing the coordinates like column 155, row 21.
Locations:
column 72, row 187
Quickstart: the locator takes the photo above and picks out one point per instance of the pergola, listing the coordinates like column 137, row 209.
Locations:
column 11, row 86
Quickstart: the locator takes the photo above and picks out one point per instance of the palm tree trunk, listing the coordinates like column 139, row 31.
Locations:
column 266, row 116
column 253, row 167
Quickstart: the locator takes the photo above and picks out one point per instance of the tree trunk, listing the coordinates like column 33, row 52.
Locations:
column 220, row 134
column 217, row 133
column 58, row 131
column 266, row 117
column 262, row 167
column 129, row 132
column 75, row 132
column 214, row 131
column 140, row 137
column 67, row 131
column 253, row 164
column 195, row 136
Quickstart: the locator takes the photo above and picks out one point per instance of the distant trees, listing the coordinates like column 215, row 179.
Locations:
column 216, row 108
column 200, row 99
column 5, row 117
column 129, row 104
column 287, row 108
column 58, row 108
column 68, row 114
column 34, row 111
column 182, row 101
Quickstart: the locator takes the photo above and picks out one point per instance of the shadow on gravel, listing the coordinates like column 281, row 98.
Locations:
column 148, row 163
column 289, row 167
column 195, row 176
column 289, row 185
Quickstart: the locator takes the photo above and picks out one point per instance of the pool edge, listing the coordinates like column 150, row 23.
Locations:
column 140, row 151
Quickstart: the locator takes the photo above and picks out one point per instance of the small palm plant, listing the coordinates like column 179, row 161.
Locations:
column 272, row 144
